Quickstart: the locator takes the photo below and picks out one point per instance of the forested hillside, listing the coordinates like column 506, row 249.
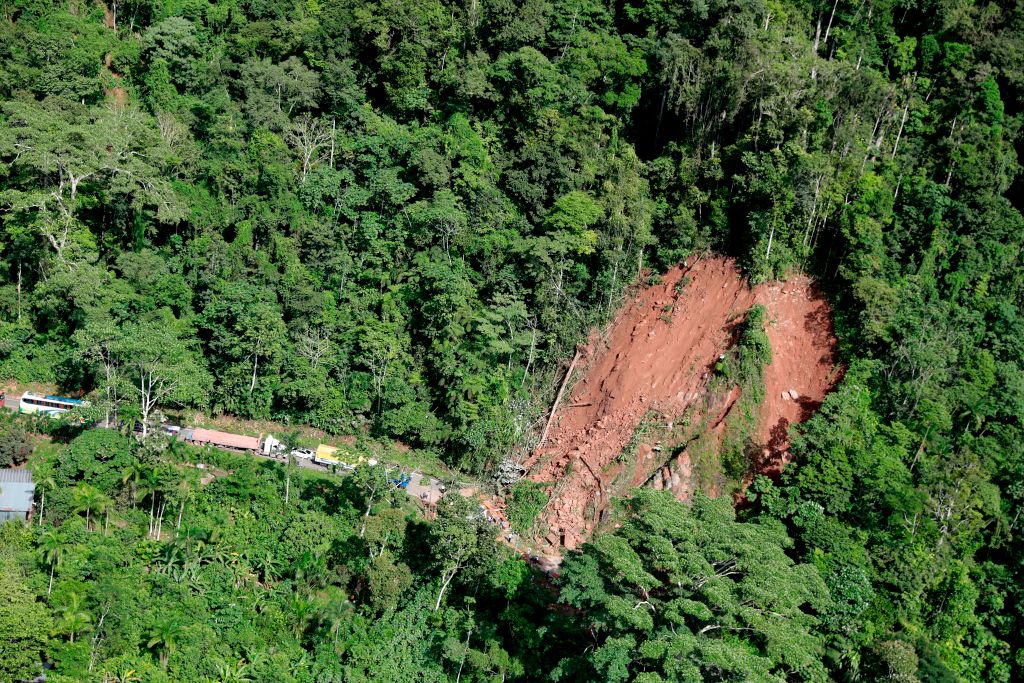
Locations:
column 397, row 219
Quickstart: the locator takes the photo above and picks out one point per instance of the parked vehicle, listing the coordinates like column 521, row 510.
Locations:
column 210, row 437
column 326, row 455
column 303, row 453
column 49, row 405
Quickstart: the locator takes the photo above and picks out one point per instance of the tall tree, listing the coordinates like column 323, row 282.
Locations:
column 689, row 591
column 455, row 538
column 25, row 626
column 164, row 366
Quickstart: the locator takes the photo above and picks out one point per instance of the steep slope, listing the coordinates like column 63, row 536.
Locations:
column 648, row 390
column 803, row 362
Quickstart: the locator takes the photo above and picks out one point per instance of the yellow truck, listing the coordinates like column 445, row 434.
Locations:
column 326, row 455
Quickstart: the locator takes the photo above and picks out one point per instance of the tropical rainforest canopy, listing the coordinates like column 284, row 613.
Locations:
column 394, row 219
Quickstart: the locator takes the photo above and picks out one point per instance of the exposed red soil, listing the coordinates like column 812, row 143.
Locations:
column 803, row 362
column 117, row 94
column 655, row 364
column 108, row 15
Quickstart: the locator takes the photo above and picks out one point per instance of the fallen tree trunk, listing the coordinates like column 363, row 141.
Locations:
column 558, row 398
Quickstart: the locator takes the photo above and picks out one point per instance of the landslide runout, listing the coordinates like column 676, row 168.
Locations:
column 657, row 357
column 804, row 361
column 656, row 363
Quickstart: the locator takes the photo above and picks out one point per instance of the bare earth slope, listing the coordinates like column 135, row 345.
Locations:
column 654, row 367
column 803, row 361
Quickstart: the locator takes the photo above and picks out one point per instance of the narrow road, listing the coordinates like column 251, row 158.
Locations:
column 426, row 489
column 423, row 488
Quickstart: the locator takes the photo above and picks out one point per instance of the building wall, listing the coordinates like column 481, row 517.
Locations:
column 17, row 495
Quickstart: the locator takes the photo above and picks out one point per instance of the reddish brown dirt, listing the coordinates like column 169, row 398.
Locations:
column 803, row 361
column 657, row 360
column 117, row 94
column 108, row 15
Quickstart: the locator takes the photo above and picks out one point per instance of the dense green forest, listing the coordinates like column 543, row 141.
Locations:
column 394, row 219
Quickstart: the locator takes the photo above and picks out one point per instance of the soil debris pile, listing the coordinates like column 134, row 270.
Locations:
column 650, row 378
column 804, row 366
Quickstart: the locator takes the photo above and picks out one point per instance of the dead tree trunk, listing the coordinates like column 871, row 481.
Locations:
column 558, row 398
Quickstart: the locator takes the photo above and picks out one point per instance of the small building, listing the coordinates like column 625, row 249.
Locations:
column 17, row 491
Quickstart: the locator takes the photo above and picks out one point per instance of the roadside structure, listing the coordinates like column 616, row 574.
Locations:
column 17, row 491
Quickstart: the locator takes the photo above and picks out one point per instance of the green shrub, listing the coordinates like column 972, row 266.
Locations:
column 524, row 503
column 743, row 366
column 15, row 446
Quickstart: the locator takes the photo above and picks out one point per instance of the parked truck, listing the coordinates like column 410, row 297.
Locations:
column 326, row 455
column 266, row 445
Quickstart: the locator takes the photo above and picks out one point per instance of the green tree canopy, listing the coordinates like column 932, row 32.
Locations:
column 691, row 593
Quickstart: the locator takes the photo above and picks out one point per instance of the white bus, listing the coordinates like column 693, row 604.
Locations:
column 50, row 405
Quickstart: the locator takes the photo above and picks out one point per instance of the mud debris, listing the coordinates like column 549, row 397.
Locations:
column 653, row 368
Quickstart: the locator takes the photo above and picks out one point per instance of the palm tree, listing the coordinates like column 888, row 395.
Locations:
column 335, row 612
column 173, row 558
column 86, row 498
column 164, row 637
column 104, row 505
column 124, row 675
column 184, row 494
column 73, row 617
column 134, row 473
column 51, row 548
column 266, row 564
column 44, row 482
column 210, row 553
column 241, row 571
column 149, row 484
column 301, row 609
column 258, row 660
column 311, row 568
column 234, row 672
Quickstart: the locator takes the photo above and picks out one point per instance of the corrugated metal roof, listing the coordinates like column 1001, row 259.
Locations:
column 16, row 490
column 12, row 476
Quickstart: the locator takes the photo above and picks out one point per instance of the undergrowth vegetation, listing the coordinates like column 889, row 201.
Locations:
column 743, row 368
column 523, row 503
column 395, row 219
